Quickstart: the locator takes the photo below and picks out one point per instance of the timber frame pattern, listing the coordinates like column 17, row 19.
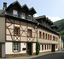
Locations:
column 42, row 30
column 11, row 22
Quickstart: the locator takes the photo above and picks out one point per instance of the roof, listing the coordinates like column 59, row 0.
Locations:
column 34, row 20
column 54, row 26
column 32, row 10
column 46, row 18
column 24, row 6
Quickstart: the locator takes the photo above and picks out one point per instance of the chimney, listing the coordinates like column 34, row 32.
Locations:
column 4, row 5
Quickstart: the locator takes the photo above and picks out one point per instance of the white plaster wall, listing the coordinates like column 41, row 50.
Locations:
column 8, row 48
column 23, row 45
column 34, row 47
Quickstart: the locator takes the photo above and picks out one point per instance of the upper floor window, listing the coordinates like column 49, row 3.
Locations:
column 43, row 36
column 16, row 31
column 23, row 15
column 15, row 12
column 29, row 17
column 39, row 34
column 46, row 36
column 29, row 33
column 53, row 38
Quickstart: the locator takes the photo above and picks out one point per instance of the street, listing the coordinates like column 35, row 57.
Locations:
column 53, row 55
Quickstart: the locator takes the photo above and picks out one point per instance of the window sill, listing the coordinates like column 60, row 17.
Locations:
column 16, row 35
column 16, row 51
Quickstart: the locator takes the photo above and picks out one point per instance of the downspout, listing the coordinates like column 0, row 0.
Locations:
column 37, row 31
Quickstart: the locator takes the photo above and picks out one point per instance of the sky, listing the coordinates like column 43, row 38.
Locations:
column 53, row 9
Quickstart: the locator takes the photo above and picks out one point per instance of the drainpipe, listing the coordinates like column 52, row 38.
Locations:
column 37, row 30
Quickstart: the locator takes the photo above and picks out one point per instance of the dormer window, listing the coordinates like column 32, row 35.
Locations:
column 15, row 12
column 29, row 17
column 23, row 15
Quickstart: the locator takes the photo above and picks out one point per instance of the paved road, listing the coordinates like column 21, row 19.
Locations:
column 56, row 55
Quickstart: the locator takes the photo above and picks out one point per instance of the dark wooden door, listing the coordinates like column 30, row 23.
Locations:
column 0, row 50
column 53, row 48
column 29, row 48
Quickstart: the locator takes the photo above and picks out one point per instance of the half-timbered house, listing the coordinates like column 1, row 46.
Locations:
column 19, row 32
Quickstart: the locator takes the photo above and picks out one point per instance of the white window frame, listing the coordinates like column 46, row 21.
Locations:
column 23, row 15
column 15, row 12
column 29, row 16
column 16, row 46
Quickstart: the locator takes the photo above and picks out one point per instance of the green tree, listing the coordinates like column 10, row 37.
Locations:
column 37, row 47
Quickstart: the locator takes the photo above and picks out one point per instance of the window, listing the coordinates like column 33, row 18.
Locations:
column 56, row 47
column 46, row 36
column 53, row 38
column 49, row 46
column 17, row 31
column 43, row 36
column 42, row 47
column 16, row 47
column 29, row 33
column 15, row 12
column 45, row 47
column 39, row 34
column 23, row 15
column 29, row 17
column 56, row 39
column 50, row 37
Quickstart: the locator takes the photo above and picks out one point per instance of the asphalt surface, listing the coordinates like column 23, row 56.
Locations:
column 54, row 55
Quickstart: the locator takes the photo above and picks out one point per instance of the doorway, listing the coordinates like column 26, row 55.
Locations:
column 0, row 50
column 29, row 48
column 53, row 48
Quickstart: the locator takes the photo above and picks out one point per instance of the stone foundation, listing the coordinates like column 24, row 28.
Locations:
column 44, row 52
column 33, row 54
column 15, row 55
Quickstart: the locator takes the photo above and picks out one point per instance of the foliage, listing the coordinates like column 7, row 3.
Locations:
column 60, row 23
column 37, row 47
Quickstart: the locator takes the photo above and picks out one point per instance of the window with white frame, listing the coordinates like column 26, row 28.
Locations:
column 15, row 12
column 16, row 47
column 23, row 15
column 29, row 17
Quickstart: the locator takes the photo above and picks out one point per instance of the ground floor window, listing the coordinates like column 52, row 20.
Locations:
column 56, row 46
column 16, row 47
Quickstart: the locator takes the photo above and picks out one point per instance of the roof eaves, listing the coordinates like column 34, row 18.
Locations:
column 25, row 6
column 32, row 9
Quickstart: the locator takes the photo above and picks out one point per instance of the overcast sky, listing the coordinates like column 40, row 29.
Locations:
column 53, row 9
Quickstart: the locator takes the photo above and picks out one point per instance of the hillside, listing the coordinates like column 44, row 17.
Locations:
column 60, row 23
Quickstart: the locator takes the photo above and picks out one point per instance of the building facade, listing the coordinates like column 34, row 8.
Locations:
column 19, row 32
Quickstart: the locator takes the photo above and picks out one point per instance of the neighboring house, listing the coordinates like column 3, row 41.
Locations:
column 61, row 44
column 19, row 32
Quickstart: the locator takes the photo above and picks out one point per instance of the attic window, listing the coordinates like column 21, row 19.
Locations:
column 23, row 15
column 29, row 17
column 15, row 12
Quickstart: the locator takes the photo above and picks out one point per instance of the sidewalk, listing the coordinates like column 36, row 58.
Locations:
column 29, row 57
